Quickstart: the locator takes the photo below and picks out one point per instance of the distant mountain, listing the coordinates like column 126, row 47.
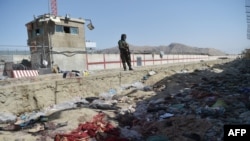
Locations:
column 173, row 48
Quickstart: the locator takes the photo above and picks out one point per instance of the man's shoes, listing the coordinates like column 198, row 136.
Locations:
column 131, row 69
column 125, row 69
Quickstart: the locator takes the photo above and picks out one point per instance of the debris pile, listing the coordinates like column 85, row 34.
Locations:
column 98, row 129
column 190, row 105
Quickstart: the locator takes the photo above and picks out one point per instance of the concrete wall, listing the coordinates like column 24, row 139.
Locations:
column 38, row 55
column 78, row 60
column 67, row 61
column 109, row 61
column 28, row 94
column 59, row 39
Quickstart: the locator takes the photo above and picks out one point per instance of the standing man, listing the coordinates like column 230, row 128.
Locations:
column 124, row 52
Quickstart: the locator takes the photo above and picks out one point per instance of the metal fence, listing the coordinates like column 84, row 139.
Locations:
column 14, row 52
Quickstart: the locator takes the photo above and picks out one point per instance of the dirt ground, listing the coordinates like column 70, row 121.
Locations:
column 158, row 89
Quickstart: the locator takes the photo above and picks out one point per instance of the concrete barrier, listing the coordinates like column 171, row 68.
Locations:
column 24, row 73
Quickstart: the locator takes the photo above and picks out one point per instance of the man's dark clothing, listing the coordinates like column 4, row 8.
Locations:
column 124, row 53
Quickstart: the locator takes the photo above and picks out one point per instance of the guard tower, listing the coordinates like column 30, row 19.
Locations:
column 57, row 40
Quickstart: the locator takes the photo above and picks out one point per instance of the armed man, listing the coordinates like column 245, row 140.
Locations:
column 124, row 52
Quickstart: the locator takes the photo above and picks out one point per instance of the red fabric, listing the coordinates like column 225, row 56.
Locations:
column 91, row 129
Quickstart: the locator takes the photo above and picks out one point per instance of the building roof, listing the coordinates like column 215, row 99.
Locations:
column 48, row 17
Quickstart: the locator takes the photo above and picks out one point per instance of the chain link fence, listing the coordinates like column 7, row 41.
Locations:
column 14, row 52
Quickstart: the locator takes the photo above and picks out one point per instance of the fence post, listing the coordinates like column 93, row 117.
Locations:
column 133, row 60
column 104, row 61
column 167, row 59
column 87, row 61
column 144, row 59
column 153, row 59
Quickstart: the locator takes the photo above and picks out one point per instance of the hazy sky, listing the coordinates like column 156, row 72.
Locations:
column 219, row 24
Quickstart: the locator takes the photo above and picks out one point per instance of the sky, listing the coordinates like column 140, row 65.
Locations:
column 219, row 24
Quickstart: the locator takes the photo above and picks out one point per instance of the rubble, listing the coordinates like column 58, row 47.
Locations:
column 190, row 105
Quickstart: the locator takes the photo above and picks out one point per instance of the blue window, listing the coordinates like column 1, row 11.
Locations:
column 73, row 30
column 59, row 28
column 66, row 29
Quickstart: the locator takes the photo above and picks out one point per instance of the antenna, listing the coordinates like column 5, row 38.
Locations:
column 54, row 7
column 49, row 6
column 248, row 17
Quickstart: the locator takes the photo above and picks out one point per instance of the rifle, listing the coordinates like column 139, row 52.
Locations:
column 128, row 50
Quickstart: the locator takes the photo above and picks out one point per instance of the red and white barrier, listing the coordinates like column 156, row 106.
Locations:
column 24, row 73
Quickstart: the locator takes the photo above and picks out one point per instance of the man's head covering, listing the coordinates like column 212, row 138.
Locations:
column 123, row 36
